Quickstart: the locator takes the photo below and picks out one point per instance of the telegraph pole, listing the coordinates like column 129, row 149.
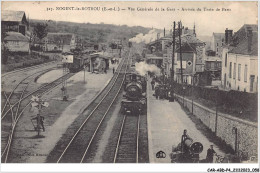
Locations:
column 179, row 27
column 173, row 51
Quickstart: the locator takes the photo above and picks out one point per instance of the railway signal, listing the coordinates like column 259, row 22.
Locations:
column 65, row 60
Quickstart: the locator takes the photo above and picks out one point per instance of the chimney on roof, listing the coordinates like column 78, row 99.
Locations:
column 249, row 38
column 228, row 36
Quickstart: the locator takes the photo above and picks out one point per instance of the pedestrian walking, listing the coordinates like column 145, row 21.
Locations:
column 210, row 154
column 113, row 70
column 40, row 120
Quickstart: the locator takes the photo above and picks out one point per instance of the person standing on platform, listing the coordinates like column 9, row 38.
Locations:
column 210, row 154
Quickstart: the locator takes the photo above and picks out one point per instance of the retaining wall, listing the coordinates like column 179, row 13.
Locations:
column 224, row 126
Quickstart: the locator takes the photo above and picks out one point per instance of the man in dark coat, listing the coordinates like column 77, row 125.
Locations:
column 152, row 83
column 183, row 138
column 210, row 154
column 40, row 120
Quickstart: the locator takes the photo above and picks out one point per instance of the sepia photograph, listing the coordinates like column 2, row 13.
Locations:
column 170, row 82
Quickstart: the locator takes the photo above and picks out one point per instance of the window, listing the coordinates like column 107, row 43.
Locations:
column 226, row 60
column 15, row 43
column 230, row 68
column 239, row 72
column 234, row 71
column 245, row 73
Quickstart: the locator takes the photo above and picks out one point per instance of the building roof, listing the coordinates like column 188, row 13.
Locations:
column 186, row 48
column 218, row 35
column 240, row 40
column 15, row 36
column 12, row 16
column 191, row 39
column 59, row 38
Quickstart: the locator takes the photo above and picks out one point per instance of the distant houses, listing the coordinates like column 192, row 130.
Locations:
column 16, row 27
column 217, row 43
column 240, row 60
column 63, row 42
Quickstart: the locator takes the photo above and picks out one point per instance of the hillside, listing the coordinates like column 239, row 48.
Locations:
column 94, row 33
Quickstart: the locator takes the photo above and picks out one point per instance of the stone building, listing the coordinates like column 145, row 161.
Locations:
column 16, row 42
column 240, row 60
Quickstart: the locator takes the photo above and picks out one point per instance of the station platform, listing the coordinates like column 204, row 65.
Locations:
column 166, row 122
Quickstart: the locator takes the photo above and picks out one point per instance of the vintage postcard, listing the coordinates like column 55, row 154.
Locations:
column 130, row 82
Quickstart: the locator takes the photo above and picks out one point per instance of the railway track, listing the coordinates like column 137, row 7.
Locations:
column 25, row 69
column 20, row 88
column 127, row 148
column 26, row 102
column 40, row 91
column 80, row 136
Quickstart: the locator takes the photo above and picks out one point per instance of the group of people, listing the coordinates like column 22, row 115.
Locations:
column 161, row 90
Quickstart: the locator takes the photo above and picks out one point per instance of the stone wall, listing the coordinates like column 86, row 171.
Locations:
column 225, row 128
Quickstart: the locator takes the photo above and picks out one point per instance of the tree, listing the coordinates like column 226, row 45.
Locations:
column 4, row 49
column 40, row 30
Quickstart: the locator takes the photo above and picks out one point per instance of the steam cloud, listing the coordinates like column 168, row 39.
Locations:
column 147, row 38
column 142, row 68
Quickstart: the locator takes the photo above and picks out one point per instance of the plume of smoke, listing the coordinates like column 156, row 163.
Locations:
column 142, row 68
column 147, row 38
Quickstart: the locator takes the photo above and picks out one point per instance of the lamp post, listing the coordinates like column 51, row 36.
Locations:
column 192, row 94
column 216, row 120
column 179, row 30
column 172, row 73
column 234, row 131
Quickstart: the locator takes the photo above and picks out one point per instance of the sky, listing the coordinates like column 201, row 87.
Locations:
column 206, row 22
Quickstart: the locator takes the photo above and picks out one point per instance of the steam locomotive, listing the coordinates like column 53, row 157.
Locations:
column 134, row 96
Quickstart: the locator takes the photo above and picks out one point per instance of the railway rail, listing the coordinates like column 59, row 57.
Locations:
column 128, row 140
column 77, row 148
column 26, row 101
column 26, row 81
column 25, row 69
